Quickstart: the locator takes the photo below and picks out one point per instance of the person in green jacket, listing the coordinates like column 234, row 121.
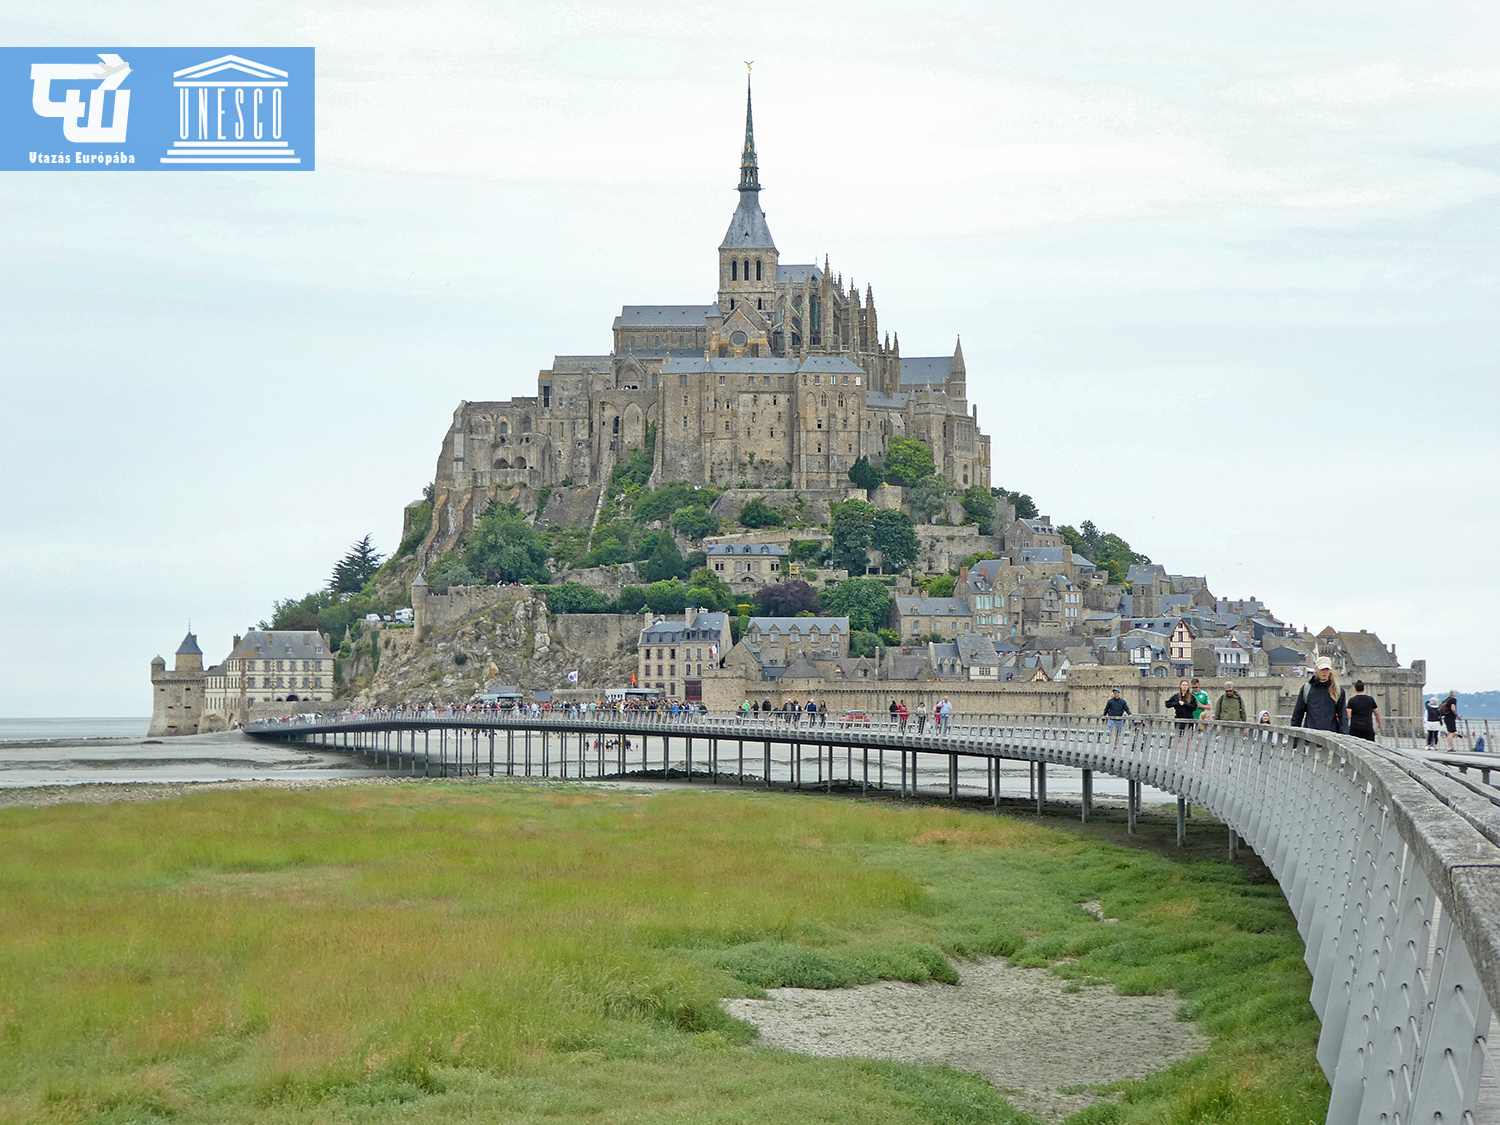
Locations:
column 1231, row 706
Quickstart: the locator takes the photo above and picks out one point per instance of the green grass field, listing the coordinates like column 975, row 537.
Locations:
column 451, row 952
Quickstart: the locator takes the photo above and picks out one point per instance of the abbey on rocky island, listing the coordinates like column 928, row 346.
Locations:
column 784, row 381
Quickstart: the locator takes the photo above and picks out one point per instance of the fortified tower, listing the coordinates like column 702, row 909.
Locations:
column 177, row 696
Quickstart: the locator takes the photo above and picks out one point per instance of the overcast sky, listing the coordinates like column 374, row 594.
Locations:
column 1225, row 275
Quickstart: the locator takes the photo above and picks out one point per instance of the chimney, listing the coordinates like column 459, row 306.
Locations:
column 690, row 614
column 236, row 643
column 963, row 574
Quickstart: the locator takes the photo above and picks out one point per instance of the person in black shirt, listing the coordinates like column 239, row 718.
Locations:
column 1184, row 704
column 1364, row 714
column 1320, row 704
column 1115, row 710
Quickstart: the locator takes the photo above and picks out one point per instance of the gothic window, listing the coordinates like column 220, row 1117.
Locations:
column 758, row 303
column 526, row 425
column 825, row 397
column 747, row 269
column 505, row 427
column 520, row 462
column 757, row 275
column 841, row 398
column 734, row 270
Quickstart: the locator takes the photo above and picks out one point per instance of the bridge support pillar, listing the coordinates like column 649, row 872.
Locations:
column 1234, row 844
column 952, row 777
column 1041, row 786
column 1131, row 805
column 1088, row 795
column 1181, row 821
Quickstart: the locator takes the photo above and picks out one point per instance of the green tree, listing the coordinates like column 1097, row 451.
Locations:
column 939, row 585
column 907, row 461
column 504, row 547
column 708, row 590
column 695, row 521
column 979, row 506
column 862, row 643
column 864, row 601
column 852, row 522
column 632, row 599
column 452, row 573
column 667, row 597
column 574, row 597
column 757, row 513
column 356, row 568
column 894, row 535
column 864, row 474
column 929, row 497
column 665, row 561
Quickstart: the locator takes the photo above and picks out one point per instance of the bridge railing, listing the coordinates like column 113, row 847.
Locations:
column 1391, row 864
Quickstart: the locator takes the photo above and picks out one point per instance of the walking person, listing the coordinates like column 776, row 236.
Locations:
column 1184, row 705
column 1448, row 712
column 1203, row 702
column 1364, row 714
column 1115, row 710
column 1320, row 703
column 921, row 716
column 943, row 711
column 901, row 715
column 893, row 710
column 1433, row 723
column 1231, row 706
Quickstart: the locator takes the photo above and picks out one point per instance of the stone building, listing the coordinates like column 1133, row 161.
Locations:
column 673, row 656
column 783, row 381
column 177, row 697
column 746, row 564
column 270, row 666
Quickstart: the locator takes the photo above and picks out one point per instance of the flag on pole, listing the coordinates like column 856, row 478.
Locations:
column 572, row 677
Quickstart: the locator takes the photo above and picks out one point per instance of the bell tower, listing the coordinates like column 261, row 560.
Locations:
column 748, row 256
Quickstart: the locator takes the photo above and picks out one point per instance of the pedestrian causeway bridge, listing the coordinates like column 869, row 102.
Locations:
column 1390, row 863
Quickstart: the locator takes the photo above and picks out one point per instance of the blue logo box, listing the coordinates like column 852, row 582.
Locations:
column 157, row 109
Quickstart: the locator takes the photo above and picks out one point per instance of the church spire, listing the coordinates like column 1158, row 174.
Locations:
column 749, row 171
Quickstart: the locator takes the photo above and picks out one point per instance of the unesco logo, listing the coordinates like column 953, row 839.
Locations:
column 157, row 109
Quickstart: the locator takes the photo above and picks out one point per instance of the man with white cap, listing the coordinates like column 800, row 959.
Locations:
column 1320, row 703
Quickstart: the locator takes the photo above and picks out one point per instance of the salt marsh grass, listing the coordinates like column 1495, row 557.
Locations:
column 467, row 952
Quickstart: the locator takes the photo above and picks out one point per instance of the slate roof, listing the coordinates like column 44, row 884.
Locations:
column 189, row 646
column 749, row 365
column 838, row 364
column 1043, row 554
column 801, row 626
column 747, row 228
column 706, row 627
column 798, row 273
column 879, row 400
column 258, row 644
column 802, row 669
column 975, row 649
column 657, row 316
column 774, row 550
column 925, row 370
column 933, row 607
column 1366, row 651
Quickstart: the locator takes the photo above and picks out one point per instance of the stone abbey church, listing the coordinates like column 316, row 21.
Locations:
column 783, row 381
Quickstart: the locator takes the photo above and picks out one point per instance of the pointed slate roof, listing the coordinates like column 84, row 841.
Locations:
column 189, row 646
column 747, row 229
